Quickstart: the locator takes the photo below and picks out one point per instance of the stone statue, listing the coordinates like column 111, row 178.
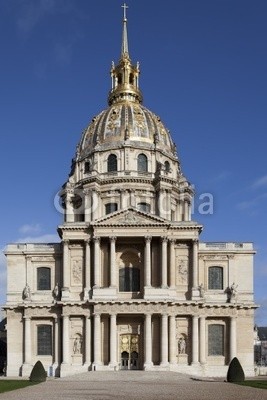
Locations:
column 233, row 292
column 182, row 345
column 27, row 292
column 201, row 290
column 77, row 345
column 56, row 292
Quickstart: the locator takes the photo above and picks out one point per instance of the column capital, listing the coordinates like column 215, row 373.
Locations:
column 113, row 238
column 113, row 314
column 27, row 317
column 195, row 241
column 96, row 239
column 87, row 241
column 66, row 242
column 172, row 241
column 164, row 239
column 87, row 191
column 148, row 239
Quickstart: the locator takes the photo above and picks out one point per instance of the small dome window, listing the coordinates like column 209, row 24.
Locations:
column 167, row 166
column 143, row 207
column 112, row 163
column 142, row 163
column 111, row 207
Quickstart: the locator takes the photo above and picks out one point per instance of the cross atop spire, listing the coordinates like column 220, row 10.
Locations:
column 124, row 6
column 124, row 47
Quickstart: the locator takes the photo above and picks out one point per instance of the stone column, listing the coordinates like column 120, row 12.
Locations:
column 202, row 349
column 123, row 194
column 56, row 340
column 164, row 340
column 96, row 205
column 87, row 205
column 66, row 339
column 66, row 265
column 27, row 341
column 195, row 264
column 113, row 277
column 88, row 340
column 172, row 264
column 195, row 339
column 233, row 346
column 132, row 198
column 164, row 260
column 172, row 340
column 96, row 262
column 97, row 340
column 113, row 340
column 148, row 342
column 186, row 210
column 148, row 261
column 87, row 269
column 161, row 205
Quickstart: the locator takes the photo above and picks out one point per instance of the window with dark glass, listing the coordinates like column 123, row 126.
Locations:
column 167, row 166
column 111, row 207
column 87, row 167
column 216, row 278
column 112, row 163
column 44, row 340
column 43, row 278
column 216, row 340
column 143, row 207
column 129, row 279
column 142, row 163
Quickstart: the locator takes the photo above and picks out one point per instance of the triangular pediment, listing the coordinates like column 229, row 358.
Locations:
column 130, row 216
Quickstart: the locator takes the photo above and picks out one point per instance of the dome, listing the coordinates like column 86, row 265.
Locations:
column 126, row 122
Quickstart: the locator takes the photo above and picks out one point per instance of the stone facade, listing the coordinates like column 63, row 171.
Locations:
column 130, row 286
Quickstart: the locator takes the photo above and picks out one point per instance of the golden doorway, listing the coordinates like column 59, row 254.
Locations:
column 129, row 352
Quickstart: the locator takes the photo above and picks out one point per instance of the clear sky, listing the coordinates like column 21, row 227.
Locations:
column 203, row 70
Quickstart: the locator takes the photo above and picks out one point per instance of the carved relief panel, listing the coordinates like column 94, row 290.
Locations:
column 76, row 264
column 182, row 265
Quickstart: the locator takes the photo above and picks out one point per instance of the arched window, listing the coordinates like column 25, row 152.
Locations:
column 129, row 271
column 43, row 278
column 112, row 163
column 143, row 207
column 216, row 278
column 111, row 207
column 167, row 166
column 216, row 340
column 44, row 340
column 142, row 163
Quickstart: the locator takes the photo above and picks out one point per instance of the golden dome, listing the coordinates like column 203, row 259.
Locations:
column 126, row 123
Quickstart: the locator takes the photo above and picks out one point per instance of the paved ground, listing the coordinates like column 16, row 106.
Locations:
column 134, row 385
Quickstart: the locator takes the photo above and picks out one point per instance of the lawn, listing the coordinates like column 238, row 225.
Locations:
column 260, row 384
column 6, row 385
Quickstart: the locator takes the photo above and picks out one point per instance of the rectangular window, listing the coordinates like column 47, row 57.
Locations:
column 216, row 278
column 44, row 340
column 216, row 340
column 43, row 278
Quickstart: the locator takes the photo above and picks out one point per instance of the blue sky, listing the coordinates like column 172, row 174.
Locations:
column 203, row 70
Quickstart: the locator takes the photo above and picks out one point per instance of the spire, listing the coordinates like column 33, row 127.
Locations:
column 124, row 75
column 124, row 46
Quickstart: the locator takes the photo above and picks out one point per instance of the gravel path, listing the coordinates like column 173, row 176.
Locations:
column 134, row 385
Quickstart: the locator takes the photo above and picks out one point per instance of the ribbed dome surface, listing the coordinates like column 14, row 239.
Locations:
column 125, row 121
